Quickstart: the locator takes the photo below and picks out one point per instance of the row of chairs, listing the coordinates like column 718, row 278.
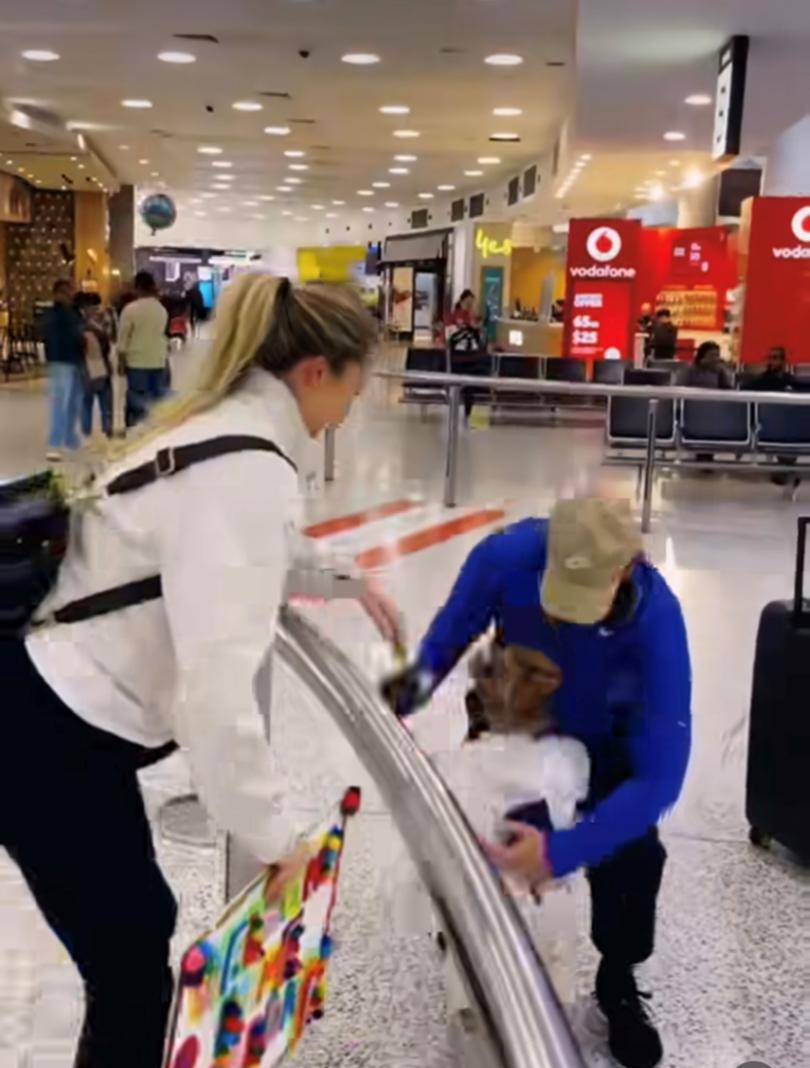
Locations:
column 20, row 352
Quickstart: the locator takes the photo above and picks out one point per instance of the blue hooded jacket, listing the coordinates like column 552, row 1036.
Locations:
column 626, row 690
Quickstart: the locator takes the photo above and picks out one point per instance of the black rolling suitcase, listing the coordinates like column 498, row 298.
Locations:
column 778, row 789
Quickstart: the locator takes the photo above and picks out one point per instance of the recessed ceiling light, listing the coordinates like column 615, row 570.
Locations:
column 445, row 188
column 586, row 157
column 277, row 131
column 156, row 174
column 208, row 196
column 200, row 214
column 221, row 163
column 368, row 211
column 81, row 165
column 692, row 178
column 360, row 59
column 288, row 178
column 331, row 215
column 426, row 196
column 121, row 148
column 674, row 135
column 365, row 192
column 259, row 216
column 286, row 214
column 222, row 188
column 223, row 208
column 301, row 219
column 674, row 163
column 195, row 200
column 395, row 109
column 247, row 105
column 398, row 170
column 504, row 137
column 283, row 189
column 136, row 104
column 489, row 159
column 317, row 207
column 40, row 55
column 504, row 59
column 267, row 196
column 177, row 57
column 392, row 203
column 209, row 150
column 225, row 177
column 250, row 203
column 698, row 100
column 298, row 166
column 473, row 174
column 294, row 153
column 405, row 134
column 507, row 113
column 338, row 203
column 381, row 185
column 660, row 174
column 406, row 159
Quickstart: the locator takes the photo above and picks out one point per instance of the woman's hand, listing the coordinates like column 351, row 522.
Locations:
column 382, row 611
column 524, row 858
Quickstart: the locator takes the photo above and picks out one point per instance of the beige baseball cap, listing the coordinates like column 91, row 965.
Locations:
column 590, row 540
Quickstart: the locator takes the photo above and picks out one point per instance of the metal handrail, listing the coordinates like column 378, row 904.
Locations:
column 529, row 1029
column 655, row 394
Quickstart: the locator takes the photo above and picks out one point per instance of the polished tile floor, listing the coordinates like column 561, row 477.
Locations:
column 730, row 976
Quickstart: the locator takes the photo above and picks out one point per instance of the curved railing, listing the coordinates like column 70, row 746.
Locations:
column 524, row 1021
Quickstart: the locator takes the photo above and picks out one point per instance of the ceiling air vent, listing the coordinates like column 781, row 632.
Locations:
column 209, row 37
column 555, row 62
column 302, row 122
column 450, row 51
column 274, row 95
column 509, row 139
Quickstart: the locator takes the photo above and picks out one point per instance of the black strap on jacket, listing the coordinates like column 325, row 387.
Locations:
column 167, row 462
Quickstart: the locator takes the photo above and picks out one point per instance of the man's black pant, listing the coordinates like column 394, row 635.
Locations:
column 624, row 897
column 73, row 819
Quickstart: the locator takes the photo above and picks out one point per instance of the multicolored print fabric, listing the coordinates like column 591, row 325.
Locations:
column 248, row 989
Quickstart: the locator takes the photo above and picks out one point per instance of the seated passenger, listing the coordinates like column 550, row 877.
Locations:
column 708, row 370
column 776, row 378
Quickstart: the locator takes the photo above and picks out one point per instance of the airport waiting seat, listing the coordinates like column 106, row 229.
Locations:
column 480, row 364
column 515, row 366
column 676, row 369
column 627, row 416
column 566, row 369
column 433, row 361
column 609, row 372
column 722, row 425
column 782, row 429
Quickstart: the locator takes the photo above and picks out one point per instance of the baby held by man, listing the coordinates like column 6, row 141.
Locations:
column 509, row 763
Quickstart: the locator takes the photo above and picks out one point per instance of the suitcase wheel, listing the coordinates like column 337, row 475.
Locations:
column 759, row 838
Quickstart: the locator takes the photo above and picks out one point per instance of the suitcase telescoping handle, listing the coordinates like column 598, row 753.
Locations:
column 801, row 614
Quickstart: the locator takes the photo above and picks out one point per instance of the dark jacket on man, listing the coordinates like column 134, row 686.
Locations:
column 61, row 329
column 772, row 381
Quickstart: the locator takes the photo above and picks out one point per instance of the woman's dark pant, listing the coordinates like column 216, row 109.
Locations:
column 72, row 818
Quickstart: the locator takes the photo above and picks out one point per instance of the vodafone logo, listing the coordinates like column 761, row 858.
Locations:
column 604, row 243
column 800, row 224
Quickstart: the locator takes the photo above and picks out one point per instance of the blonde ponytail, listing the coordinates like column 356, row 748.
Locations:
column 265, row 321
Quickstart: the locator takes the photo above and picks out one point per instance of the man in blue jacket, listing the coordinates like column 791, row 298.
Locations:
column 577, row 588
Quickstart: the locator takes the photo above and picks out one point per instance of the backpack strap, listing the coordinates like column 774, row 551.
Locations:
column 167, row 462
column 171, row 461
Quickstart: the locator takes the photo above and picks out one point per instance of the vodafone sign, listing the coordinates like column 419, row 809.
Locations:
column 603, row 245
column 800, row 226
column 777, row 277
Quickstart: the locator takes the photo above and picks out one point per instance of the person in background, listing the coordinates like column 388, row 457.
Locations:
column 558, row 310
column 143, row 348
column 662, row 341
column 98, row 366
column 62, row 331
column 196, row 306
column 708, row 370
column 776, row 378
column 645, row 320
column 465, row 335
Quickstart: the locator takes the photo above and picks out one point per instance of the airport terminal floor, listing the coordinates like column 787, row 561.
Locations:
column 729, row 975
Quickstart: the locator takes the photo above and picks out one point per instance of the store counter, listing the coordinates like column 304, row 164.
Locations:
column 532, row 338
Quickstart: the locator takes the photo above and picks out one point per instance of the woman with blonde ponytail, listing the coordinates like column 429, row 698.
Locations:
column 163, row 614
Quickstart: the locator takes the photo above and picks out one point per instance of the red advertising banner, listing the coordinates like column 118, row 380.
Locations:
column 601, row 277
column 690, row 272
column 777, row 281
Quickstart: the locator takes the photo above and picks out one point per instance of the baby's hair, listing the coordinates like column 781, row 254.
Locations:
column 513, row 687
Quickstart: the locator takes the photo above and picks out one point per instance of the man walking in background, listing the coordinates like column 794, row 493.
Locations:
column 143, row 349
column 61, row 330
